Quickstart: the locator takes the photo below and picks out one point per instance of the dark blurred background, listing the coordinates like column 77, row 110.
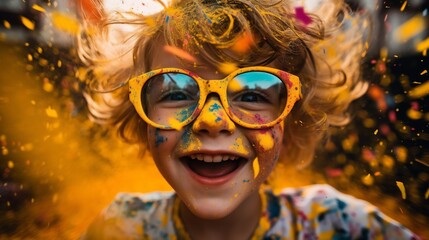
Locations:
column 382, row 156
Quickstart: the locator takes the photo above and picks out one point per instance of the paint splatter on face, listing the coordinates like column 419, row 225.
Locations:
column 189, row 141
column 213, row 164
column 239, row 147
column 159, row 139
column 265, row 140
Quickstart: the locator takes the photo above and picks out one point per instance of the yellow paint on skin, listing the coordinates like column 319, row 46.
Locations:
column 255, row 167
column 239, row 147
column 265, row 140
column 210, row 118
column 193, row 144
column 175, row 124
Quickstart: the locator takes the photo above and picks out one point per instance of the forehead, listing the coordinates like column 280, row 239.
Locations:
column 165, row 56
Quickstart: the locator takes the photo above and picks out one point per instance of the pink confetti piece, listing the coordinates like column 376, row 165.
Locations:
column 302, row 16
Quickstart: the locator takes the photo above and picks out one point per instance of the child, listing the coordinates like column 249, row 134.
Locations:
column 219, row 92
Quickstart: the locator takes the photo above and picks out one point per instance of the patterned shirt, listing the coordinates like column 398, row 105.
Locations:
column 311, row 212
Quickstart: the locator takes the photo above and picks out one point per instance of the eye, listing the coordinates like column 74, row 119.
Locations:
column 176, row 96
column 251, row 97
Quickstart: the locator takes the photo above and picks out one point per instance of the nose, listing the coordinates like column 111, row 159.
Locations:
column 213, row 119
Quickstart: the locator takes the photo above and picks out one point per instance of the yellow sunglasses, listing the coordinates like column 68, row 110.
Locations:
column 253, row 97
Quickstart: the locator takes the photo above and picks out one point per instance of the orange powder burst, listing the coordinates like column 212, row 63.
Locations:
column 227, row 68
column 180, row 53
column 243, row 43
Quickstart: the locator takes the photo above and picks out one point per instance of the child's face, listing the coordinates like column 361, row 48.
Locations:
column 184, row 157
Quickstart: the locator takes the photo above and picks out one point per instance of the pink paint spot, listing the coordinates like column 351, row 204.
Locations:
column 259, row 119
column 192, row 74
column 285, row 76
column 302, row 16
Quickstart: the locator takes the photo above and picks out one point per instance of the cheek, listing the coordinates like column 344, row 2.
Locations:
column 159, row 140
column 188, row 142
column 267, row 141
column 267, row 145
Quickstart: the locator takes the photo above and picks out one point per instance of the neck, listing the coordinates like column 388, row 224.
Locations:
column 239, row 224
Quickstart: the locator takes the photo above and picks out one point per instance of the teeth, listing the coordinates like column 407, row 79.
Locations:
column 212, row 158
column 217, row 158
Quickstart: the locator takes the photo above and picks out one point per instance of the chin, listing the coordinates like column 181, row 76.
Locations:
column 213, row 209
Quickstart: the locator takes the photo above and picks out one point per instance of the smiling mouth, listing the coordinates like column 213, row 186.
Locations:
column 213, row 167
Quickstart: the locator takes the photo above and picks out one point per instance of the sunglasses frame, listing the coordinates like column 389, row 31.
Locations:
column 218, row 86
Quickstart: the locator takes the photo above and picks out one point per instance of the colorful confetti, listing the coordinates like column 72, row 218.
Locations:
column 419, row 91
column 38, row 8
column 243, row 43
column 27, row 23
column 301, row 16
column 410, row 29
column 180, row 53
column 402, row 189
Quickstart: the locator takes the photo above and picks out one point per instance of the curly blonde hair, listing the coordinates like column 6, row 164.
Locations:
column 325, row 53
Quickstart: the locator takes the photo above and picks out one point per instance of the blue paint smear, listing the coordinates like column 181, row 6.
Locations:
column 159, row 138
column 214, row 107
column 186, row 137
column 185, row 113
